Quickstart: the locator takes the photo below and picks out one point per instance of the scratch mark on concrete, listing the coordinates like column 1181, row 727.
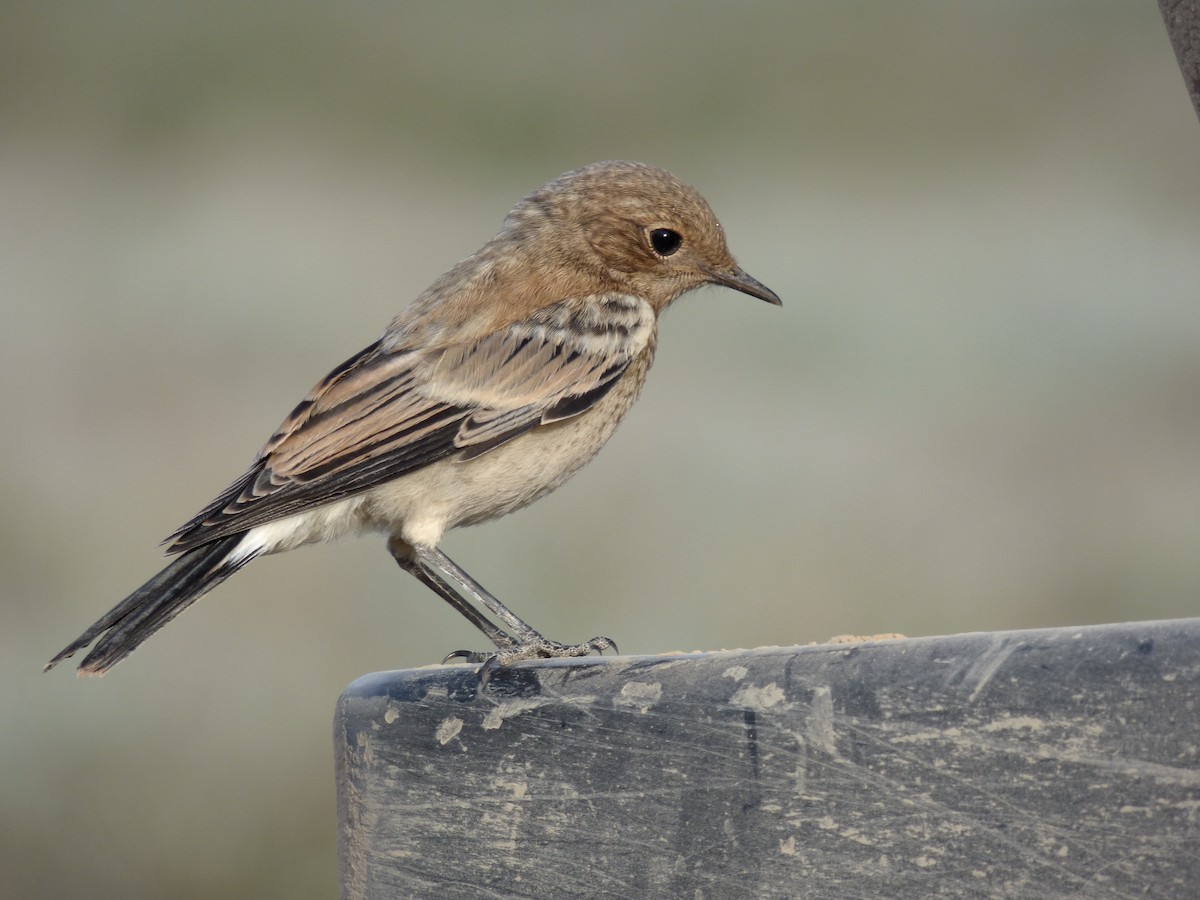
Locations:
column 984, row 669
column 819, row 728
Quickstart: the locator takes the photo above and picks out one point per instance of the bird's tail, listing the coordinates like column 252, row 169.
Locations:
column 123, row 628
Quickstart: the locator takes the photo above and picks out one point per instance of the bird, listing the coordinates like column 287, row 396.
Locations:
column 498, row 383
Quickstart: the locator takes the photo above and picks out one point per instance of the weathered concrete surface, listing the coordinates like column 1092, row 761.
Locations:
column 1050, row 763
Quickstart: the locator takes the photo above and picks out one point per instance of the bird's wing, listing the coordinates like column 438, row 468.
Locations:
column 386, row 412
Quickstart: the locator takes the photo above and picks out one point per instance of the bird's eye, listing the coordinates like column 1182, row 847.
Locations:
column 665, row 241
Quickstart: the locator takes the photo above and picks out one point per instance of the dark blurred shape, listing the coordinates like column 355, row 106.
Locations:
column 1182, row 18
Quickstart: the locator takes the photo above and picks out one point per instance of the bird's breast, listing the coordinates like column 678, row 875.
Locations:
column 422, row 505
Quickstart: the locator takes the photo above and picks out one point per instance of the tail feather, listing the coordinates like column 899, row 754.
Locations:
column 123, row 628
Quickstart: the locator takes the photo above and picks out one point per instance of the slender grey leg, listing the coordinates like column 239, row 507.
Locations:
column 438, row 585
column 532, row 645
column 425, row 563
column 427, row 556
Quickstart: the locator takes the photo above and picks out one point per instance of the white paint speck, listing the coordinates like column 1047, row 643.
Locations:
column 1014, row 723
column 448, row 730
column 640, row 695
column 501, row 711
column 509, row 708
column 758, row 698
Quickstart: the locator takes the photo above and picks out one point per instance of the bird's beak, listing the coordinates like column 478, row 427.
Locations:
column 747, row 284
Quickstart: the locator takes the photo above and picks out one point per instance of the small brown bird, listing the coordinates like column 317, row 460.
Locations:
column 500, row 382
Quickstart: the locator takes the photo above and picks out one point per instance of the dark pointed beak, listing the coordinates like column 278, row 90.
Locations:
column 747, row 284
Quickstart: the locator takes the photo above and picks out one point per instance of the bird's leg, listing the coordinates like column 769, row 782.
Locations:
column 427, row 556
column 528, row 644
column 432, row 580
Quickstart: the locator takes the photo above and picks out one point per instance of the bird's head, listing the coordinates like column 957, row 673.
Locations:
column 649, row 233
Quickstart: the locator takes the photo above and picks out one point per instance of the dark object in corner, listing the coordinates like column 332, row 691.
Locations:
column 1182, row 18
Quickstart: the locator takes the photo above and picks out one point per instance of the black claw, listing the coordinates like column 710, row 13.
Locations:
column 488, row 669
column 471, row 657
column 600, row 644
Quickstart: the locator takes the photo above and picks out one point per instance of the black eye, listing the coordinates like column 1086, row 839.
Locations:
column 665, row 241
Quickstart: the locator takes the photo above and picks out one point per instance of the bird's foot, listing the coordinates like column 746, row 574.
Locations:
column 540, row 648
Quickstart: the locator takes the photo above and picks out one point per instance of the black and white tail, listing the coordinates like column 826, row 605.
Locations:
column 123, row 628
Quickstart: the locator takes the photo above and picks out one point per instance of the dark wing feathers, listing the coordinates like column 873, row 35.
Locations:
column 384, row 413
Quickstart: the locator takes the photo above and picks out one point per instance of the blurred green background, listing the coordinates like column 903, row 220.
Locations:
column 979, row 407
